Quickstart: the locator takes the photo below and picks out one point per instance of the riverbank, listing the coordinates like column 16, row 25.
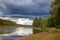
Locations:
column 52, row 35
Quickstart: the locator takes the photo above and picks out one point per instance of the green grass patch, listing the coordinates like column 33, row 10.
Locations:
column 45, row 36
column 9, row 26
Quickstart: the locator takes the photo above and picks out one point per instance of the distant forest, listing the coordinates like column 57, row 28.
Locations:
column 8, row 24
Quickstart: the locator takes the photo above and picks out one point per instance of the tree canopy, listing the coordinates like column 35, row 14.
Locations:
column 56, row 12
column 37, row 22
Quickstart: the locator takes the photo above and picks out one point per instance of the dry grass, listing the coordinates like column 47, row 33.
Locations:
column 43, row 36
column 53, row 34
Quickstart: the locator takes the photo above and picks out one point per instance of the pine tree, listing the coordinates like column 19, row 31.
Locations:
column 56, row 12
column 37, row 22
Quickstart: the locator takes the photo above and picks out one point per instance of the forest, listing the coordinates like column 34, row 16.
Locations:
column 53, row 21
column 8, row 24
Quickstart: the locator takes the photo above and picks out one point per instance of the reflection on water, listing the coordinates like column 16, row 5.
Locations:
column 6, row 30
column 17, row 33
column 23, row 31
column 7, row 38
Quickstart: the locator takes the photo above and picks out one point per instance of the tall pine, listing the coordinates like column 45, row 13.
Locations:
column 56, row 12
column 37, row 22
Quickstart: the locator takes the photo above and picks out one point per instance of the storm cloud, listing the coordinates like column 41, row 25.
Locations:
column 24, row 8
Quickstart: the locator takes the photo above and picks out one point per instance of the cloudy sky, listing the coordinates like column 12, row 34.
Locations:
column 16, row 9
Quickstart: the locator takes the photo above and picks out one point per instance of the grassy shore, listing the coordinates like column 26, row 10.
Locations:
column 55, row 35
column 43, row 36
column 8, row 26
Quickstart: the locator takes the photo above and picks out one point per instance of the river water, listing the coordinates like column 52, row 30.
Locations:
column 17, row 33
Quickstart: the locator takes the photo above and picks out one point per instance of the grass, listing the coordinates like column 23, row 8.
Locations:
column 43, row 36
column 47, row 36
column 8, row 26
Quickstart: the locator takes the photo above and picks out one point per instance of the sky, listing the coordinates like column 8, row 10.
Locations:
column 24, row 9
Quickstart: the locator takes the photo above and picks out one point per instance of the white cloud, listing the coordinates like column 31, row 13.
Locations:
column 6, row 18
column 25, row 21
column 9, row 18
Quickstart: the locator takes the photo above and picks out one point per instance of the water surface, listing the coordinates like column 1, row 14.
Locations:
column 17, row 33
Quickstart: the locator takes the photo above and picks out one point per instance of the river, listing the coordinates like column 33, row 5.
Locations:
column 17, row 33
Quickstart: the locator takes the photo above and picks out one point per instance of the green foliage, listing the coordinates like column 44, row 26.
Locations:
column 56, row 12
column 37, row 22
column 45, row 22
column 39, row 25
column 51, row 21
column 7, row 23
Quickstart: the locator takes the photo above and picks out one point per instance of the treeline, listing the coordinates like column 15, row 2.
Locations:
column 53, row 21
column 7, row 23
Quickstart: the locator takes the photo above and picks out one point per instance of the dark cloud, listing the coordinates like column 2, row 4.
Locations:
column 26, row 7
